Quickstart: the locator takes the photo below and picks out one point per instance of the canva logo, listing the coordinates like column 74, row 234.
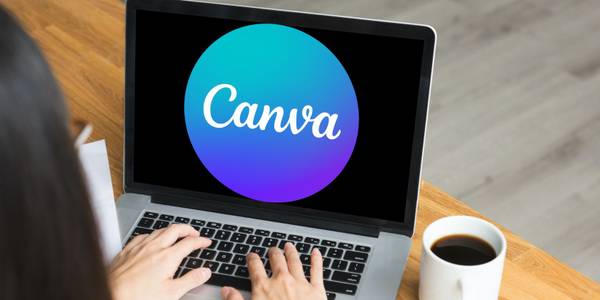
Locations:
column 271, row 113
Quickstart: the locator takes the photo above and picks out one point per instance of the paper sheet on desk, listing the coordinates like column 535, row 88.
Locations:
column 94, row 159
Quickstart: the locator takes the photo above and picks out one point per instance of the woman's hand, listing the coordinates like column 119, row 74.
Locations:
column 144, row 269
column 287, row 282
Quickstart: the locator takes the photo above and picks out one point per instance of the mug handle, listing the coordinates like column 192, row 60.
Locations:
column 467, row 288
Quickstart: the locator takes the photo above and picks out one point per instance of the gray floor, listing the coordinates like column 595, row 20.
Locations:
column 514, row 125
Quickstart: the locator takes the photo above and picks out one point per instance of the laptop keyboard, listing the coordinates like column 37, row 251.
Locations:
column 343, row 263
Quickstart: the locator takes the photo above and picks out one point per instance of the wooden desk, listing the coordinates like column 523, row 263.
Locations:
column 83, row 40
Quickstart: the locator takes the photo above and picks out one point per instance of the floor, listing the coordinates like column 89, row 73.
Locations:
column 514, row 124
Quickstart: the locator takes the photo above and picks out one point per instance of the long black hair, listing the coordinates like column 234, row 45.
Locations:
column 48, row 240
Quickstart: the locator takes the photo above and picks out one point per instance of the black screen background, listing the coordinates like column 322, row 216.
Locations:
column 385, row 73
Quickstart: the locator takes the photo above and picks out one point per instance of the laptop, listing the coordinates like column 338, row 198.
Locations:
column 260, row 126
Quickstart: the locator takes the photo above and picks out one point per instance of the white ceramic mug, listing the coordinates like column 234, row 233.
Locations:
column 443, row 280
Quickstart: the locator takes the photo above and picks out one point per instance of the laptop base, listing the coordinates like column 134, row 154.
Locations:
column 380, row 279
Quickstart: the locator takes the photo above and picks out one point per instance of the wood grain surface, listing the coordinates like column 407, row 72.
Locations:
column 84, row 43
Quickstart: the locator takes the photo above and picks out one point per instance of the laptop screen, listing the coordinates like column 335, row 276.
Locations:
column 286, row 115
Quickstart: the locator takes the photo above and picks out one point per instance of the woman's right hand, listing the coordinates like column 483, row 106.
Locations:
column 287, row 282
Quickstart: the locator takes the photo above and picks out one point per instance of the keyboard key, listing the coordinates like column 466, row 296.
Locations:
column 278, row 235
column 339, row 265
column 305, row 259
column 228, row 280
column 196, row 228
column 194, row 253
column 362, row 248
column 213, row 244
column 225, row 246
column 335, row 253
column 356, row 267
column 326, row 262
column 226, row 269
column 160, row 224
column 145, row 222
column 212, row 265
column 176, row 275
column 322, row 249
column 184, row 271
column 242, row 272
column 207, row 232
column 346, row 277
column 254, row 240
column 311, row 240
column 230, row 227
column 238, row 237
column 346, row 246
column 269, row 242
column 293, row 237
column 193, row 263
column 208, row 254
column 151, row 215
column 326, row 273
column 330, row 296
column 261, row 232
column 224, row 257
column 338, row 287
column 239, row 260
column 306, row 270
column 222, row 235
column 241, row 249
column 198, row 222
column 328, row 243
column 246, row 230
column 183, row 262
column 182, row 220
column 166, row 218
column 356, row 256
column 138, row 230
column 213, row 225
column 302, row 247
column 259, row 250
column 282, row 244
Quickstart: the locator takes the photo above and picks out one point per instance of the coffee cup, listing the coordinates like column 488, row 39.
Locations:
column 463, row 258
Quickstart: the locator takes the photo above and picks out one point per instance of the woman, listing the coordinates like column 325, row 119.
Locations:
column 49, row 247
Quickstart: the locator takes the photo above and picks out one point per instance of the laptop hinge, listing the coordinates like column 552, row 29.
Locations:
column 267, row 214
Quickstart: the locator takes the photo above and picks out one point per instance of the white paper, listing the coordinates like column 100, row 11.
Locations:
column 94, row 159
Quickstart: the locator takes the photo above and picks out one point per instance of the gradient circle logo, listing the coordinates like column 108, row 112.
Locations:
column 271, row 113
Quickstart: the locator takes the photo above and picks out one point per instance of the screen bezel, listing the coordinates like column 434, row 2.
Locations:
column 296, row 215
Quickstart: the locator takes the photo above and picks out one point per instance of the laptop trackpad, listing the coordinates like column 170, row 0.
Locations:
column 208, row 292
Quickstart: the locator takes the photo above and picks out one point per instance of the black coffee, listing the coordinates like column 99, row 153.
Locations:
column 462, row 249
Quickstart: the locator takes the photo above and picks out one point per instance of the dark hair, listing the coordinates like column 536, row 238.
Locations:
column 48, row 240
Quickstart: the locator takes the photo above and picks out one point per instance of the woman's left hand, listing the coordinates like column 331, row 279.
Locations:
column 144, row 269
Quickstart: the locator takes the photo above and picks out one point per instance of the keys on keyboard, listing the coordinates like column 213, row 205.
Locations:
column 343, row 263
column 198, row 222
column 166, row 218
column 213, row 225
column 246, row 230
column 223, row 235
column 261, row 232
column 230, row 227
column 182, row 220
column 145, row 222
column 356, row 256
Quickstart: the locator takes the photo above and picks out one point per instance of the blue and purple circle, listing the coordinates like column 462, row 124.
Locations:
column 240, row 103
